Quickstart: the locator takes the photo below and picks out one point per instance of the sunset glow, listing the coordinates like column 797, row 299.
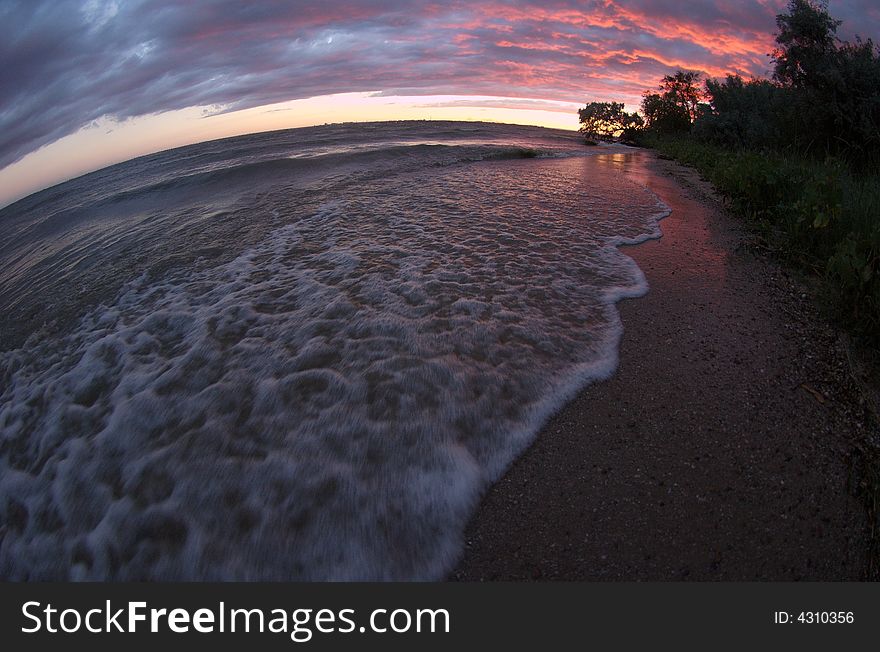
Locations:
column 93, row 83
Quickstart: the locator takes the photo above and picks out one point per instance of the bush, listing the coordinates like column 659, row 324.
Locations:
column 819, row 215
column 743, row 113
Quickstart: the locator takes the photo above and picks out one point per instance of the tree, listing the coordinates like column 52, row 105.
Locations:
column 677, row 106
column 663, row 115
column 835, row 87
column 806, row 39
column 855, row 100
column 744, row 113
column 607, row 121
column 683, row 89
column 633, row 129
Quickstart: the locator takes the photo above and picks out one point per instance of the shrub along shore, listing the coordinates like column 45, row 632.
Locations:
column 820, row 216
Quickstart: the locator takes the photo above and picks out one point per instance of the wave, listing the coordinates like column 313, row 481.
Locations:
column 329, row 400
column 286, row 168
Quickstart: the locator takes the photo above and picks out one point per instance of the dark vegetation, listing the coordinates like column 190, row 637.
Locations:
column 797, row 155
column 608, row 121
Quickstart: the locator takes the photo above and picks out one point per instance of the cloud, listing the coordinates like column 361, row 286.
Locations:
column 503, row 103
column 68, row 64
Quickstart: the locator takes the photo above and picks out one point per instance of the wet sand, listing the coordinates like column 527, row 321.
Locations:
column 720, row 450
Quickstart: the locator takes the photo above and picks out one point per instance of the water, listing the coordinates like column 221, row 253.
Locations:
column 298, row 355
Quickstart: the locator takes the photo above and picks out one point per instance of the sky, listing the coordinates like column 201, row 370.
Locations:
column 85, row 84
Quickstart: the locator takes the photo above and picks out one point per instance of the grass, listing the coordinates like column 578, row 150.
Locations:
column 818, row 215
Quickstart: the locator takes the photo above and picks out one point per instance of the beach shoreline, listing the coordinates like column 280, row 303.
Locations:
column 721, row 449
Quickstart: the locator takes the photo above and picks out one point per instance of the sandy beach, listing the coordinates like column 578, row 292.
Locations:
column 723, row 447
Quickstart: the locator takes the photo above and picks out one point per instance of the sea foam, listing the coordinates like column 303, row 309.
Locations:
column 330, row 402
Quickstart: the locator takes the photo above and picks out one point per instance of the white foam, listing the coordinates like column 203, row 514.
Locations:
column 331, row 403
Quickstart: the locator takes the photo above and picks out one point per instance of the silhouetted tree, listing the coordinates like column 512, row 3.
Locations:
column 834, row 105
column 854, row 99
column 743, row 113
column 675, row 108
column 684, row 90
column 663, row 115
column 805, row 40
column 607, row 120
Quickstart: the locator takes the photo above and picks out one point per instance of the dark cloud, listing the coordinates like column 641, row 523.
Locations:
column 67, row 63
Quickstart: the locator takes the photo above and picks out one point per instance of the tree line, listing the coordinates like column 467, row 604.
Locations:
column 798, row 155
column 823, row 98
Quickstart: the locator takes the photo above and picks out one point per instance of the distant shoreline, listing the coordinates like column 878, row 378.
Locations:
column 722, row 448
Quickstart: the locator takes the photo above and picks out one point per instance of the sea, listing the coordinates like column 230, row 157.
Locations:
column 299, row 355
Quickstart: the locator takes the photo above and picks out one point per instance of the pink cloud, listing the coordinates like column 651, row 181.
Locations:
column 63, row 71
